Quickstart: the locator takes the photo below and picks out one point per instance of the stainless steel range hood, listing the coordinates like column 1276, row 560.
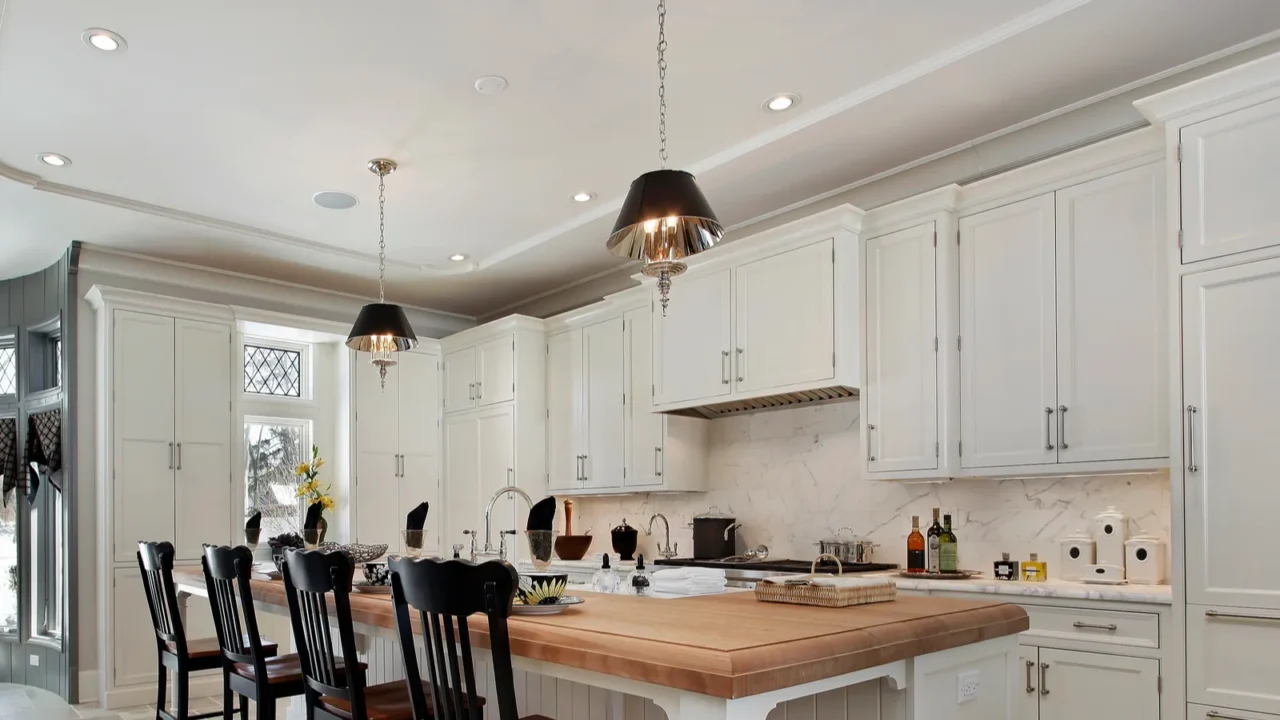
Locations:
column 835, row 393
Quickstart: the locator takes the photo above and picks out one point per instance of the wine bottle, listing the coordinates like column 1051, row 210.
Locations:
column 948, row 550
column 935, row 531
column 915, row 547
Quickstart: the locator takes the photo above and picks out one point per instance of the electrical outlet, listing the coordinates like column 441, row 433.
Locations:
column 967, row 687
column 35, row 661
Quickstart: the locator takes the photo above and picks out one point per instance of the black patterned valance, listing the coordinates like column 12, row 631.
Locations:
column 8, row 456
column 44, row 447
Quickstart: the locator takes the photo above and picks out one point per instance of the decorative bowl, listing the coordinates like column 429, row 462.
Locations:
column 542, row 588
column 359, row 554
column 377, row 573
column 572, row 547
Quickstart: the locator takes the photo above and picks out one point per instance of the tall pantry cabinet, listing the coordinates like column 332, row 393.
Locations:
column 164, row 424
column 1223, row 136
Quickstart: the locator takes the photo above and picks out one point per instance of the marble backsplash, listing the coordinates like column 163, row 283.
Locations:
column 795, row 476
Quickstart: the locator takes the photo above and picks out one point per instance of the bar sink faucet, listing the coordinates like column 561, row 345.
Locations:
column 488, row 511
column 669, row 551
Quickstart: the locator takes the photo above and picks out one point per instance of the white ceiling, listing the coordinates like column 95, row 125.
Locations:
column 204, row 141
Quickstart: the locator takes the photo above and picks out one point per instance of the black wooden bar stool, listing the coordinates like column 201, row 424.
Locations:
column 444, row 593
column 331, row 691
column 175, row 652
column 248, row 670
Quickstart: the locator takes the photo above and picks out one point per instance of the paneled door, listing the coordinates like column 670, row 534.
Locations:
column 377, row 487
column 496, row 371
column 902, row 351
column 142, row 364
column 1231, row 389
column 1008, row 378
column 603, row 359
column 419, row 445
column 564, row 410
column 497, row 433
column 462, row 473
column 1026, row 704
column 134, row 645
column 1112, row 356
column 1225, row 162
column 460, row 379
column 202, row 423
column 785, row 319
column 644, row 428
column 693, row 342
column 1080, row 685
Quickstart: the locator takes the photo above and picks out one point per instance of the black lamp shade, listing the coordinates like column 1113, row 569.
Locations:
column 664, row 196
column 379, row 322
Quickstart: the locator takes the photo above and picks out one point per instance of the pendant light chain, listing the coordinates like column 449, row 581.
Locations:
column 382, row 235
column 662, row 84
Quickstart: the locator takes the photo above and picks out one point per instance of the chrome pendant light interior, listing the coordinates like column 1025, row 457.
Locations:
column 665, row 217
column 381, row 328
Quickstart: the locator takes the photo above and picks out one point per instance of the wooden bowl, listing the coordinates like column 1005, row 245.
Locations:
column 572, row 547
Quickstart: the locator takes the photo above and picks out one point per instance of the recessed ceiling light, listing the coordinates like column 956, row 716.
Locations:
column 55, row 159
column 334, row 200
column 583, row 196
column 104, row 40
column 778, row 103
column 491, row 84
column 457, row 257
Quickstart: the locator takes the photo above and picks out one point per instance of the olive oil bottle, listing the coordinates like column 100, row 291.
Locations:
column 948, row 548
column 935, row 530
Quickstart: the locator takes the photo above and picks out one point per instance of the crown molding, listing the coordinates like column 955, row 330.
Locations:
column 480, row 333
column 1257, row 77
column 909, row 210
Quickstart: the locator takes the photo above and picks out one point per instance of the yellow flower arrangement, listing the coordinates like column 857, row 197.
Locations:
column 310, row 488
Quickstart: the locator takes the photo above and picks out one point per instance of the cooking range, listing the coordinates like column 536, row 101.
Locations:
column 745, row 572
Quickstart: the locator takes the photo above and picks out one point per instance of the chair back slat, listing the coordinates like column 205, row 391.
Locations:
column 155, row 563
column 228, row 576
column 308, row 577
column 445, row 593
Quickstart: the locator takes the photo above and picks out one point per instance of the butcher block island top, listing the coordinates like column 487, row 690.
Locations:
column 727, row 646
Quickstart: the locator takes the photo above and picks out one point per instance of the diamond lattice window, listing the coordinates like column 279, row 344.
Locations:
column 272, row 371
column 8, row 371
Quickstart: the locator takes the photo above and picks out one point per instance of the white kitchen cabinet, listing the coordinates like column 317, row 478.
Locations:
column 134, row 649
column 1231, row 657
column 785, row 319
column 604, row 398
column 481, row 374
column 461, row 439
column 1111, row 318
column 1230, row 342
column 460, row 379
column 1026, row 703
column 1008, row 397
column 901, row 390
column 1225, row 161
column 397, row 432
column 645, row 430
column 565, row 413
column 694, row 339
column 1076, row 685
column 479, row 460
column 202, row 477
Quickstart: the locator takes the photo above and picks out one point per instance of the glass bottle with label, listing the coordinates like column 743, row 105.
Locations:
column 915, row 547
column 948, row 548
column 638, row 582
column 1035, row 571
column 1005, row 568
column 935, row 530
column 606, row 578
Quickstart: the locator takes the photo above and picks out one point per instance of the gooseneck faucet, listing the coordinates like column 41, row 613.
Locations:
column 488, row 527
column 669, row 551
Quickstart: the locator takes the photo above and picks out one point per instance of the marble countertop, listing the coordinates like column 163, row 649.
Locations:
column 1059, row 589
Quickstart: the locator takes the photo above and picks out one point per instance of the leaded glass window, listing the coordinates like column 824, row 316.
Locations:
column 272, row 371
column 8, row 370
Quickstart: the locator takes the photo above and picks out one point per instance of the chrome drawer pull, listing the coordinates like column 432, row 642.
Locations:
column 1048, row 434
column 724, row 367
column 1239, row 616
column 737, row 364
column 1110, row 627
column 870, row 429
column 1044, row 686
column 1223, row 716
column 1030, row 688
column 1062, row 427
column 657, row 461
column 1191, row 439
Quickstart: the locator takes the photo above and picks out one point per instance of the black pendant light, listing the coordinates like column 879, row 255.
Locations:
column 665, row 217
column 381, row 329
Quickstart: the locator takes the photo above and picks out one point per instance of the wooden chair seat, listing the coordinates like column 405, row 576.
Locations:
column 208, row 647
column 281, row 669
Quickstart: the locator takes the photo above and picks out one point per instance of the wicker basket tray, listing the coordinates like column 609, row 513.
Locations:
column 833, row 597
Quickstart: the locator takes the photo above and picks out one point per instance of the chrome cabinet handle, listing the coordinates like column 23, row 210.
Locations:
column 179, row 456
column 1223, row 716
column 471, row 391
column 737, row 364
column 510, row 481
column 1062, row 426
column 1191, row 439
column 402, row 466
column 657, row 461
column 724, row 367
column 584, row 468
column 1044, row 687
column 1030, row 688
column 870, row 428
column 479, row 391
column 1048, row 434
column 1109, row 627
column 170, row 456
column 1239, row 616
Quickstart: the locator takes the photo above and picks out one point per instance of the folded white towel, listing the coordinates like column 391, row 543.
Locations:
column 685, row 573
column 687, row 588
column 690, row 592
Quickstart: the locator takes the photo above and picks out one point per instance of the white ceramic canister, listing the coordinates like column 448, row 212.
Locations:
column 1144, row 560
column 1110, row 530
column 1078, row 552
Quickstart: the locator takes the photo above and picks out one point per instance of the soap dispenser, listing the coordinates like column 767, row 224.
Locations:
column 638, row 581
column 606, row 578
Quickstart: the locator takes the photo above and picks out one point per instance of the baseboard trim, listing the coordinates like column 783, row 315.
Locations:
column 202, row 686
column 88, row 690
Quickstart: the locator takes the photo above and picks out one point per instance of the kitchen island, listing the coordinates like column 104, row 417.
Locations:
column 729, row 656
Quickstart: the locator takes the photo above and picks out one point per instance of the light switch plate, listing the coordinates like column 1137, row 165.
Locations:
column 967, row 687
column 35, row 661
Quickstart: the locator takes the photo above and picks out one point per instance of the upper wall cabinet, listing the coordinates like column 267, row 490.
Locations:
column 1062, row 351
column 1226, row 161
column 480, row 374
column 769, row 315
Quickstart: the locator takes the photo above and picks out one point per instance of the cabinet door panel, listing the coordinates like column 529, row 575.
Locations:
column 497, row 371
column 1230, row 342
column 1112, row 366
column 1225, row 161
column 644, row 435
column 1093, row 685
column 693, row 341
column 497, row 469
column 785, row 319
column 203, row 431
column 420, row 482
column 1231, row 661
column 564, row 410
column 461, row 478
column 901, row 393
column 377, row 414
column 459, row 379
column 1007, row 325
column 377, row 498
column 602, row 359
column 1026, row 704
column 134, row 647
column 419, row 404
column 142, row 429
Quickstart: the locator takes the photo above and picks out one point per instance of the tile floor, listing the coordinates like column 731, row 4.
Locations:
column 19, row 702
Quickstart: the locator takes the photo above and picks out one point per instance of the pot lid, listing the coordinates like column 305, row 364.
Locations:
column 713, row 513
column 1079, row 536
column 624, row 527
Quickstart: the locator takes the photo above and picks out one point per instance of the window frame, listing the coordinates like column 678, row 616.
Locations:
column 9, row 341
column 308, row 438
column 305, row 370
